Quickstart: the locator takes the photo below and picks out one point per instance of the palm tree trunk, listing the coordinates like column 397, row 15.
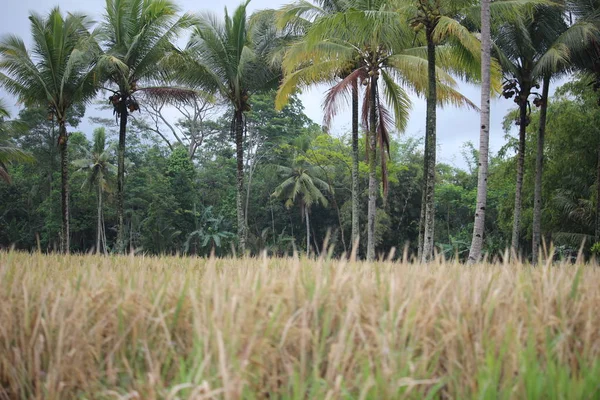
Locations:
column 103, row 231
column 520, row 168
column 99, row 225
column 307, row 231
column 484, row 136
column 239, row 146
column 121, row 177
column 430, row 133
column 355, row 189
column 597, row 233
column 372, row 209
column 64, row 189
column 539, row 167
column 423, row 192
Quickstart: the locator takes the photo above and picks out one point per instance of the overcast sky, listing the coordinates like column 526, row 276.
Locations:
column 454, row 126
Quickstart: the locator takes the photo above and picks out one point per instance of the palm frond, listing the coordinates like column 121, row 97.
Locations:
column 342, row 91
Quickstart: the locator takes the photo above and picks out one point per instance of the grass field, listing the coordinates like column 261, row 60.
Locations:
column 92, row 327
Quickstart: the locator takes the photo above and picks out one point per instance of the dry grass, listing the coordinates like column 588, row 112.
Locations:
column 147, row 328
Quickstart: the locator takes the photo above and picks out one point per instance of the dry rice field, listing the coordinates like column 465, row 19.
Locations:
column 124, row 327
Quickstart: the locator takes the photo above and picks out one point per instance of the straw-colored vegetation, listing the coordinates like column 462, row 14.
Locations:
column 147, row 328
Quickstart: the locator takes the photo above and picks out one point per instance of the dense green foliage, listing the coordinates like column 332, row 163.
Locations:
column 175, row 204
column 242, row 168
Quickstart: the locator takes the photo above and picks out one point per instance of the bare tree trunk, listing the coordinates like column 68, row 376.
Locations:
column 597, row 233
column 430, row 137
column 423, row 192
column 121, row 177
column 372, row 209
column 239, row 145
column 104, row 247
column 355, row 178
column 64, row 189
column 523, row 122
column 539, row 170
column 307, row 231
column 99, row 225
column 484, row 136
column 247, row 204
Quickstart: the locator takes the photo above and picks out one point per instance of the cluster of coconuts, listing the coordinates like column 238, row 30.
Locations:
column 538, row 102
column 511, row 88
column 246, row 106
column 372, row 72
column 132, row 104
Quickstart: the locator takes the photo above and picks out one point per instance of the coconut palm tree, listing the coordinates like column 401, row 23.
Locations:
column 302, row 184
column 484, row 134
column 57, row 73
column 371, row 44
column 532, row 47
column 97, row 164
column 231, row 57
column 441, row 24
column 299, row 17
column 137, row 36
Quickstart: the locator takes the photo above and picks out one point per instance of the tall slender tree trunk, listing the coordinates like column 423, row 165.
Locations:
column 121, row 177
column 430, row 133
column 99, row 225
column 64, row 188
column 372, row 209
column 355, row 188
column 484, row 136
column 239, row 147
column 597, row 233
column 539, row 170
column 523, row 122
column 307, row 231
column 423, row 201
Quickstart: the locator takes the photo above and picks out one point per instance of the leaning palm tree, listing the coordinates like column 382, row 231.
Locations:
column 57, row 73
column 302, row 184
column 8, row 151
column 368, row 43
column 532, row 47
column 231, row 57
column 98, row 167
column 137, row 36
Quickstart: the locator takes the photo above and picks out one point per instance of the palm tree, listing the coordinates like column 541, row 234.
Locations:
column 137, row 36
column 8, row 151
column 300, row 16
column 57, row 73
column 98, row 166
column 440, row 21
column 231, row 57
column 302, row 184
column 368, row 43
column 484, row 134
column 531, row 47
